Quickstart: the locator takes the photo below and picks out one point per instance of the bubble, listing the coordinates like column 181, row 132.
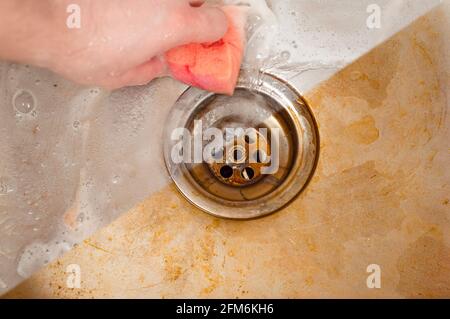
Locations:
column 6, row 185
column 116, row 179
column 286, row 55
column 80, row 217
column 24, row 102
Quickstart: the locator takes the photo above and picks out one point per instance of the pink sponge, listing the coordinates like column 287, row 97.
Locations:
column 212, row 66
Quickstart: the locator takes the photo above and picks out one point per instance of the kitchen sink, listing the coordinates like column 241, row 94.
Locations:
column 84, row 186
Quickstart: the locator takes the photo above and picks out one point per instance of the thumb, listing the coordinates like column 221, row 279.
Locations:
column 203, row 24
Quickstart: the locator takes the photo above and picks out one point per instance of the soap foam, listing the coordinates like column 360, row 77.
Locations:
column 262, row 28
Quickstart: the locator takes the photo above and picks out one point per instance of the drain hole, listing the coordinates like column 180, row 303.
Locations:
column 249, row 139
column 226, row 171
column 260, row 157
column 237, row 155
column 248, row 173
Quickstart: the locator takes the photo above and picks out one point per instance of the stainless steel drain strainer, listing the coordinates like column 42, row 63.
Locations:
column 243, row 156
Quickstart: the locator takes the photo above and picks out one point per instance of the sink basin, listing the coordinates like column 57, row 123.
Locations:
column 379, row 196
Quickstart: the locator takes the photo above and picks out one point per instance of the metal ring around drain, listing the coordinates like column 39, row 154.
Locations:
column 227, row 177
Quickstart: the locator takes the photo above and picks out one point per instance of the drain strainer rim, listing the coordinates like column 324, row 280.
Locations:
column 297, row 179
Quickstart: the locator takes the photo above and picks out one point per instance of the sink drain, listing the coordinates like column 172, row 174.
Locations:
column 243, row 156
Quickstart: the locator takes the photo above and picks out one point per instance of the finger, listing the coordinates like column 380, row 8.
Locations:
column 203, row 24
column 196, row 3
column 139, row 75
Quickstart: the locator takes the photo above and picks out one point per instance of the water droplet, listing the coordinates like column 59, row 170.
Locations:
column 116, row 179
column 76, row 124
column 285, row 55
column 24, row 102
column 6, row 186
column 80, row 217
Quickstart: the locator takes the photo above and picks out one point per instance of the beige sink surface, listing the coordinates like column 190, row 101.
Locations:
column 380, row 196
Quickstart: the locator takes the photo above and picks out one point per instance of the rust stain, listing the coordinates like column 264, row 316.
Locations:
column 363, row 131
column 424, row 267
column 91, row 244
column 172, row 268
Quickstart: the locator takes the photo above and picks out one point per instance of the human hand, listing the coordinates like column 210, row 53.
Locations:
column 119, row 42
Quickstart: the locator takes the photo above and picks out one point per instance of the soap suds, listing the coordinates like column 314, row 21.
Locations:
column 262, row 28
column 37, row 254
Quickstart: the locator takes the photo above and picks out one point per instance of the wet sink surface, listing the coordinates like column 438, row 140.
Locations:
column 380, row 196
